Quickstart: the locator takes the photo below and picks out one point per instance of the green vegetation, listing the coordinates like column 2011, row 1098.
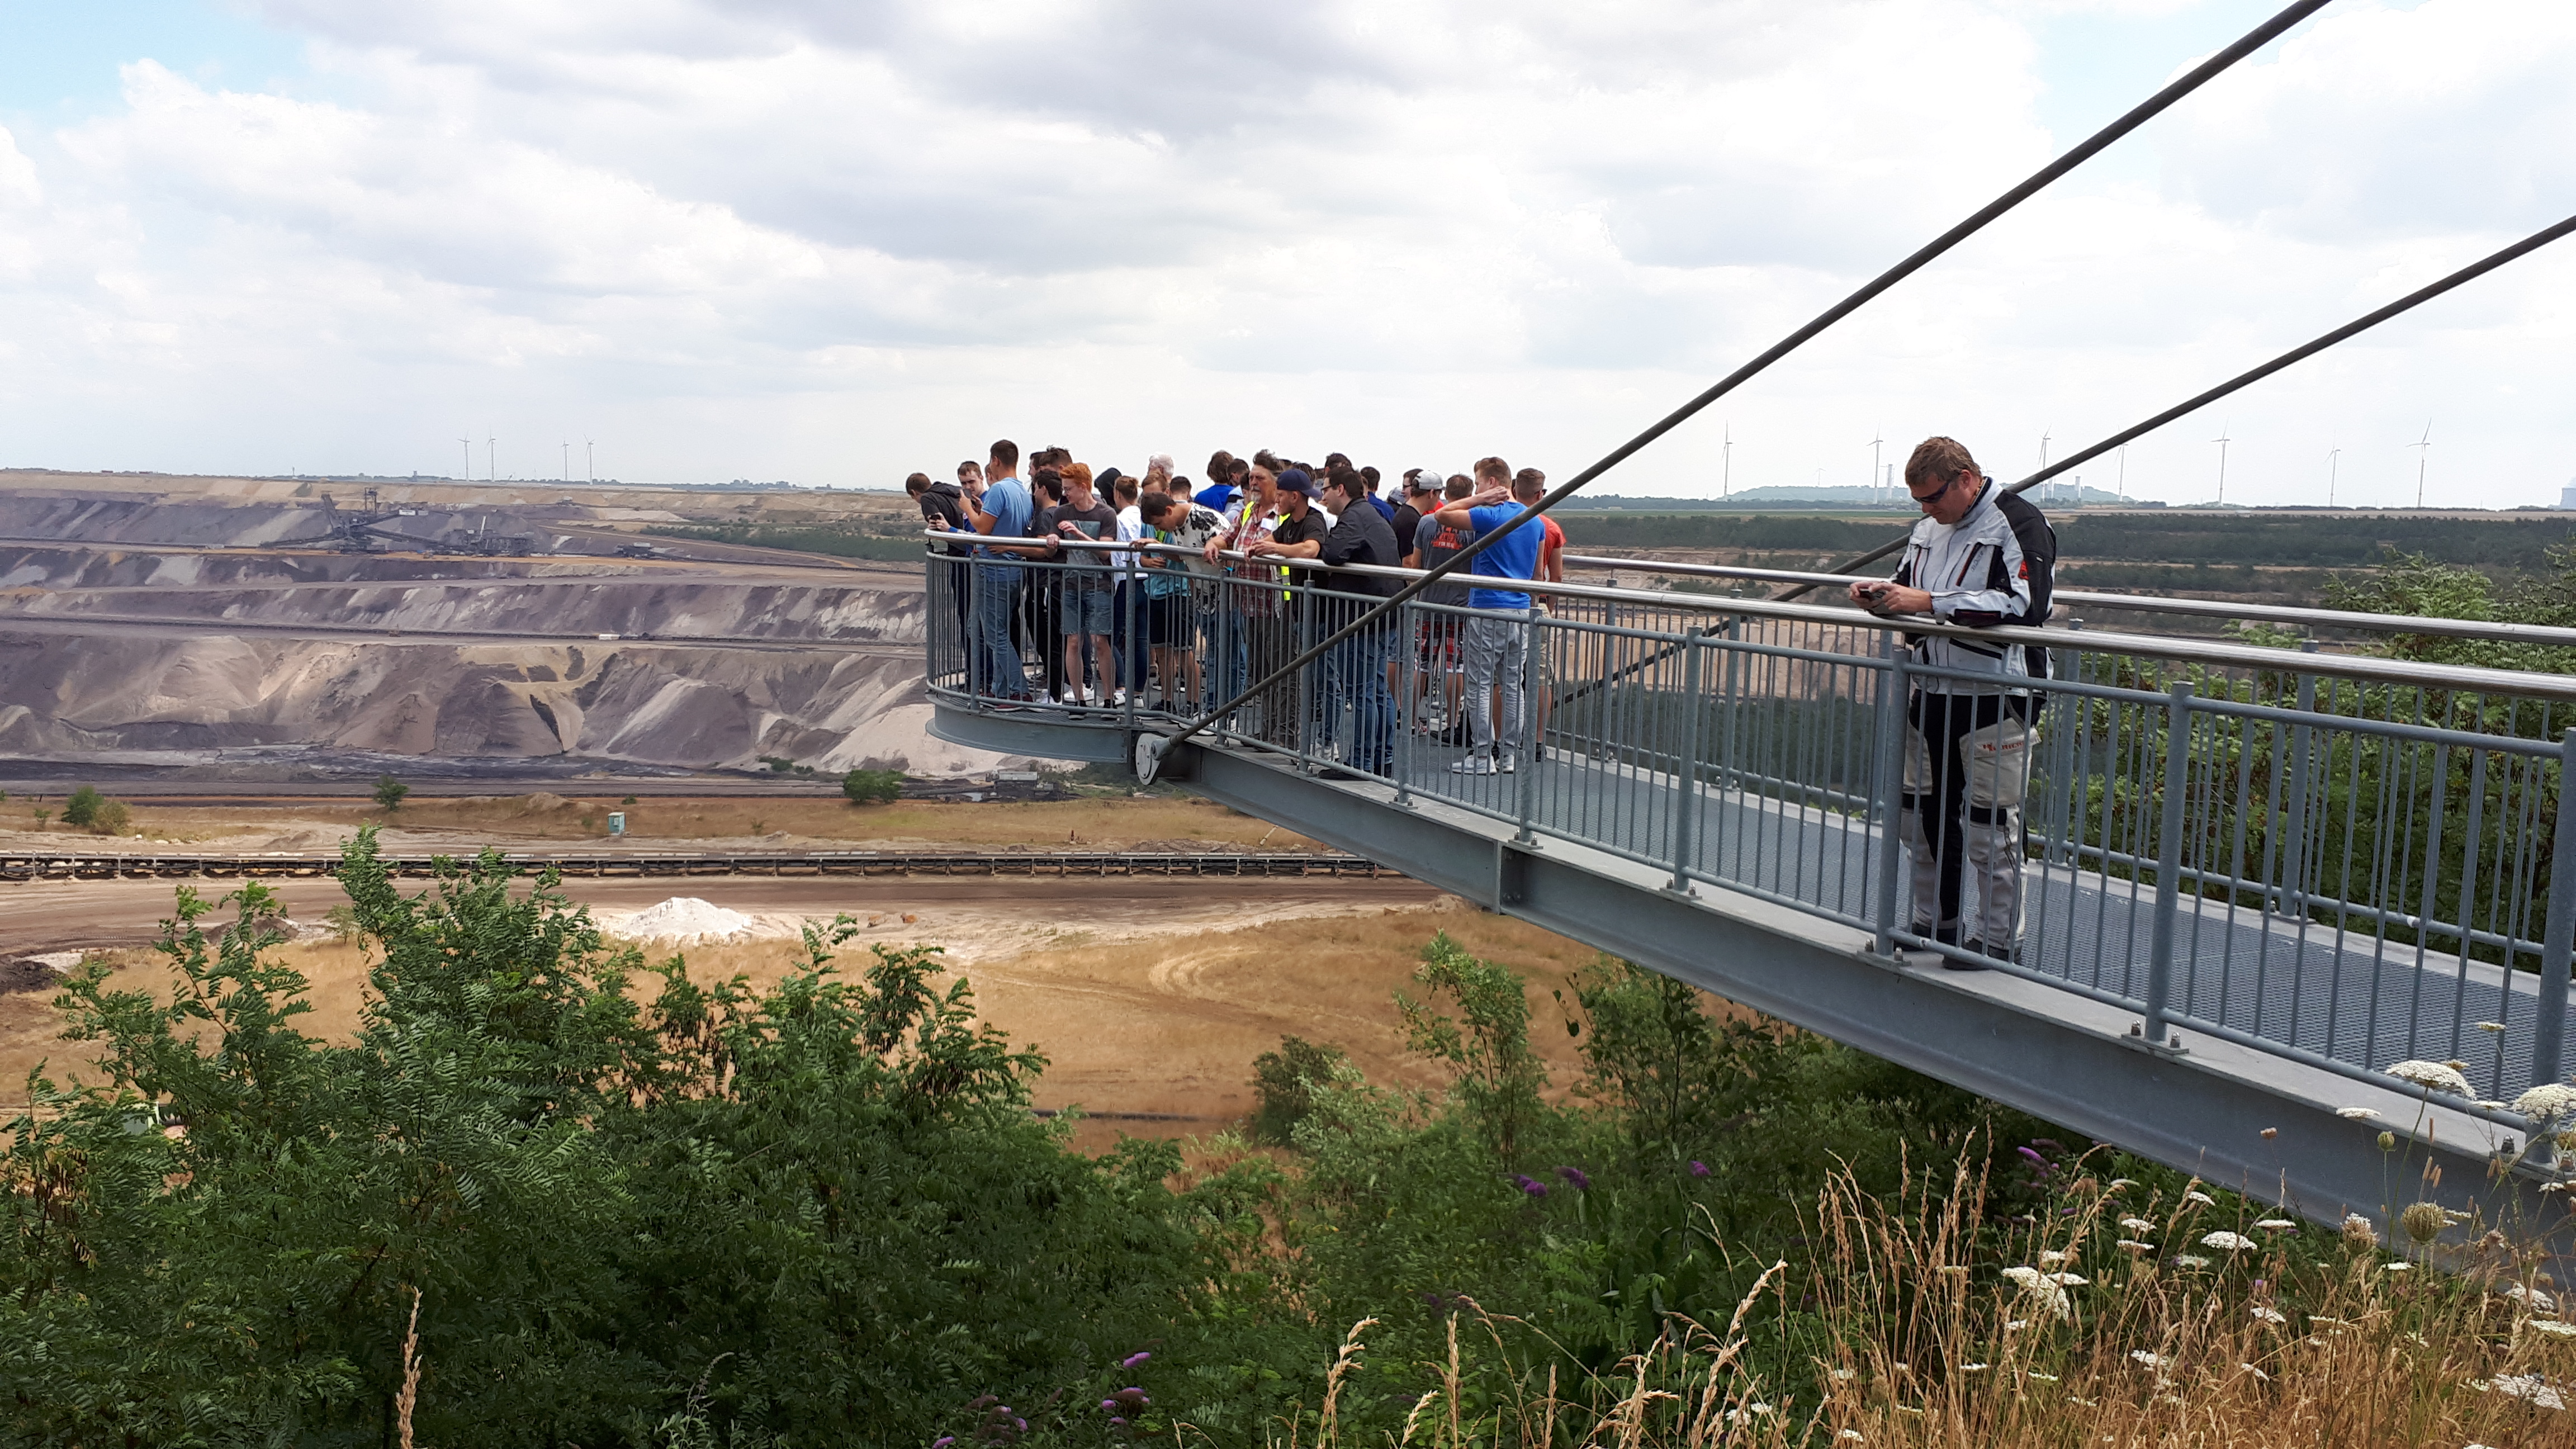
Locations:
column 873, row 787
column 531, row 1203
column 2153, row 538
column 87, row 809
column 845, row 540
column 390, row 792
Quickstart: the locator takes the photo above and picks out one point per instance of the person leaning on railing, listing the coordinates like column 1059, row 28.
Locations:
column 1497, row 637
column 1253, row 613
column 1003, row 509
column 1355, row 670
column 1979, row 557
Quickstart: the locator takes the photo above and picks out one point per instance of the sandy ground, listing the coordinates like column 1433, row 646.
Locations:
column 748, row 821
column 1150, row 997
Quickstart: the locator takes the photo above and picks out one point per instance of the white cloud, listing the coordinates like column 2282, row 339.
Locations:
column 830, row 242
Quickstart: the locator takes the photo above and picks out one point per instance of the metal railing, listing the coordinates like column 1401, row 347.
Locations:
column 2344, row 860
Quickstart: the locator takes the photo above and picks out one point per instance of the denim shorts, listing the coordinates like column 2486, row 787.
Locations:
column 1088, row 604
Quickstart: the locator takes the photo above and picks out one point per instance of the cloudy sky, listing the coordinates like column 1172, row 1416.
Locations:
column 832, row 241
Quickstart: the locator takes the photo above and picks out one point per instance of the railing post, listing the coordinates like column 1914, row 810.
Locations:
column 1892, row 690
column 1531, row 674
column 1686, row 767
column 2549, row 1029
column 2169, row 862
column 1130, row 586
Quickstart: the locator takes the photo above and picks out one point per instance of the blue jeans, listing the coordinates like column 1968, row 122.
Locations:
column 998, row 672
column 1355, row 671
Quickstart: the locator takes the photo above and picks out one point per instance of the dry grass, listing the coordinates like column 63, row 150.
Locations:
column 1914, row 1340
column 1106, row 823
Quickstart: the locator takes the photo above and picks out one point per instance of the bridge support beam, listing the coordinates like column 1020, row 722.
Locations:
column 2054, row 1054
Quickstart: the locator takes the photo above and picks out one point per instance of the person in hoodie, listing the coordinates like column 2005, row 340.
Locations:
column 943, row 507
column 1980, row 557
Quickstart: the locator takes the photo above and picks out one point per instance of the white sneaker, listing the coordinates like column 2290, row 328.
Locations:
column 1073, row 697
column 1120, row 696
column 1474, row 765
column 1512, row 763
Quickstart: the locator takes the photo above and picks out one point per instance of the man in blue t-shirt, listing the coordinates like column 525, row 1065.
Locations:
column 995, row 670
column 1496, row 642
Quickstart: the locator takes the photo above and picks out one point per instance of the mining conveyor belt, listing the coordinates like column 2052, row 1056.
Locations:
column 112, row 866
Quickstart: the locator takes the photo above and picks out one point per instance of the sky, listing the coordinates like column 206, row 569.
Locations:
column 834, row 242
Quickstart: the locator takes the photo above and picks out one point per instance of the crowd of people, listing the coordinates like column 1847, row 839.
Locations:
column 1236, row 593
column 1269, row 557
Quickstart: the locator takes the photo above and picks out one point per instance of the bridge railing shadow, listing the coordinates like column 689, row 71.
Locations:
column 2347, row 860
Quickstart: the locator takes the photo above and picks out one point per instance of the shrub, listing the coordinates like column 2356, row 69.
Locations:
column 1285, row 1081
column 110, row 818
column 873, row 787
column 390, row 792
column 82, row 808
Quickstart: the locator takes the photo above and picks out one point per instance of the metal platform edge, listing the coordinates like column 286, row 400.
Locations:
column 2058, row 1056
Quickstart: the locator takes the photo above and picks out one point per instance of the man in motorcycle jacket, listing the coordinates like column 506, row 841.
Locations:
column 1979, row 557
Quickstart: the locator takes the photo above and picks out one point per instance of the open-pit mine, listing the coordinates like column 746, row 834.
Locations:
column 306, row 628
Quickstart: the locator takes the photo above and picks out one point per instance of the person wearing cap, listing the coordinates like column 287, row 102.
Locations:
column 1435, row 636
column 1252, row 621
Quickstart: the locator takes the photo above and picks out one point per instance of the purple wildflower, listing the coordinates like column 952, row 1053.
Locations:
column 1575, row 1175
column 1108, row 1406
column 1023, row 1423
column 1133, row 1360
column 1698, row 1168
column 943, row 1441
column 1530, row 1185
column 2033, row 1155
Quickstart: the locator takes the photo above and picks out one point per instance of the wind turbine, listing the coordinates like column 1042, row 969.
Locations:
column 1726, row 464
column 489, row 471
column 2222, row 440
column 2421, row 459
column 567, row 447
column 2334, row 457
column 589, row 457
column 2123, row 485
column 2054, row 487
column 469, row 458
column 1878, row 436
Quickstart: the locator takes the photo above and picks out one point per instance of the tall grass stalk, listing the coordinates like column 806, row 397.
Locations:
column 1935, row 1325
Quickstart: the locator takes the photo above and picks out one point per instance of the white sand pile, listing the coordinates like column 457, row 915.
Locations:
column 682, row 918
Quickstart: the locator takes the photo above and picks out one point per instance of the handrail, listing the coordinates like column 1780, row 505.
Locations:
column 2467, row 677
column 2148, row 604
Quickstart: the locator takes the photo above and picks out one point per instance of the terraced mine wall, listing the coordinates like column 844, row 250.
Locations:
column 215, row 635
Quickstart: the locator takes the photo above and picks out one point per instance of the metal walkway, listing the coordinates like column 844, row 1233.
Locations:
column 2254, row 878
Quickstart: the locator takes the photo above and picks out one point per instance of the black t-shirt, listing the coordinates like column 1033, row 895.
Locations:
column 1098, row 521
column 1407, row 519
column 943, row 505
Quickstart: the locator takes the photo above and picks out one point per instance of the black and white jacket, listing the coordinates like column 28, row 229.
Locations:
column 1995, row 566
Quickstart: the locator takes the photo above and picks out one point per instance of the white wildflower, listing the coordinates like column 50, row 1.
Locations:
column 2202, row 1198
column 2258, row 1373
column 2016, row 1325
column 2138, row 1225
column 1846, row 1374
column 2043, row 1378
column 2068, row 1280
column 2268, row 1315
column 2276, row 1225
column 2133, row 1247
column 2051, row 1258
column 2536, row 1297
column 2357, row 1114
column 1974, row 1368
column 2189, row 1260
column 2118, row 1183
column 2226, row 1242
column 2529, row 1387
column 2553, row 1326
column 2026, row 1277
column 2547, row 1102
column 1851, row 1436
column 2495, row 1026
column 2153, row 1361
column 2050, row 1295
column 2431, row 1076
column 2398, row 1267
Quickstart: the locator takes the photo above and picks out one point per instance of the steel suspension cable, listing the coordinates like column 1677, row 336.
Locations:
column 2358, row 325
column 2144, row 111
